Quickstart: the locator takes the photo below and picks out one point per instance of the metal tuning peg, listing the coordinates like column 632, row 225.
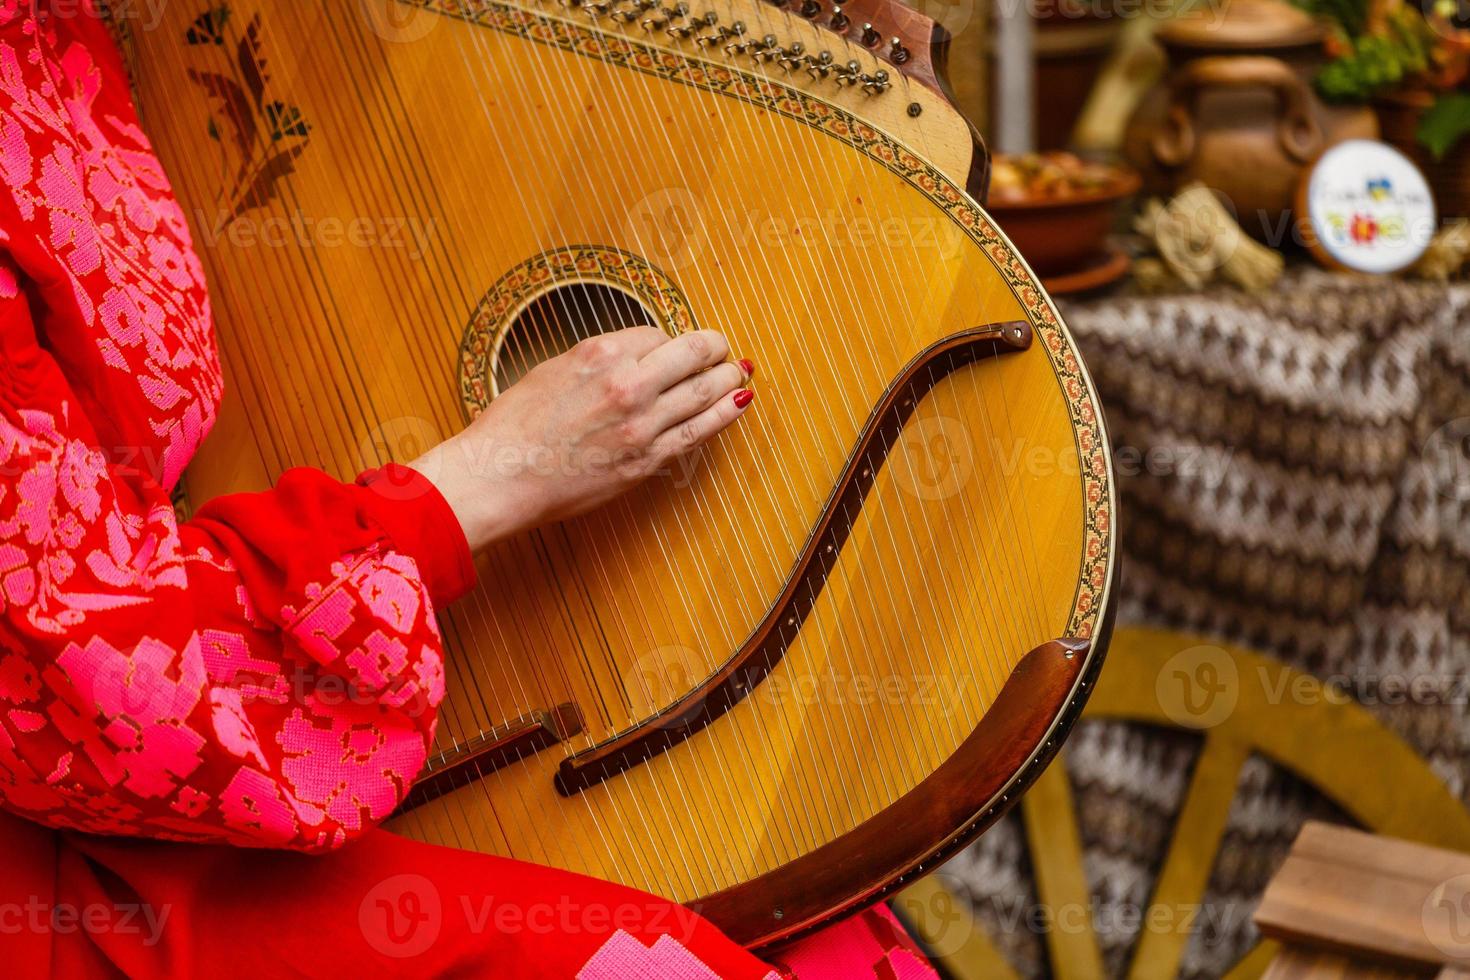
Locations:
column 849, row 74
column 738, row 47
column 631, row 14
column 820, row 66
column 570, row 4
column 599, row 8
column 809, row 9
column 897, row 53
column 769, row 49
column 793, row 57
column 664, row 17
column 870, row 36
column 838, row 21
column 686, row 31
column 720, row 36
column 876, row 83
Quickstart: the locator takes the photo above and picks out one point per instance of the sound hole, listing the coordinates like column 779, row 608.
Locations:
column 554, row 321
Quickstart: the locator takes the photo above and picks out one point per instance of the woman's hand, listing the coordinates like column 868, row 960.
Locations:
column 582, row 428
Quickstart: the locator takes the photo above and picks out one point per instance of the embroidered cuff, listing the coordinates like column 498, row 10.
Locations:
column 420, row 523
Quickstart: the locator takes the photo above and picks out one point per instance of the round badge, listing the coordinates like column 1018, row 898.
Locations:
column 1367, row 208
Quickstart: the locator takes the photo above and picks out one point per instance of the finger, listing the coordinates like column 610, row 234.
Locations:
column 683, row 356
column 639, row 342
column 693, row 395
column 696, row 431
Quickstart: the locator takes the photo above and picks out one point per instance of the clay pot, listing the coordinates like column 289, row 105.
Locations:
column 1071, row 53
column 1449, row 178
column 1061, row 235
column 1237, row 112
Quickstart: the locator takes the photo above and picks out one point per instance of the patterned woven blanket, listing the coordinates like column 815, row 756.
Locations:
column 1295, row 478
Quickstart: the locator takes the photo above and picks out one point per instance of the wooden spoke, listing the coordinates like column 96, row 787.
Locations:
column 1061, row 882
column 1254, row 963
column 944, row 924
column 1254, row 705
column 1197, row 834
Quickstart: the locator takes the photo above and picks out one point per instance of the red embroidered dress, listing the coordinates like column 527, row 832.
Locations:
column 205, row 635
column 168, row 679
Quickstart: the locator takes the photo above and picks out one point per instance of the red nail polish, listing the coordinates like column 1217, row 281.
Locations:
column 748, row 366
column 743, row 397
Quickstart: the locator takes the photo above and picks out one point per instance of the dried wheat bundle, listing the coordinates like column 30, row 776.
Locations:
column 1448, row 253
column 1199, row 241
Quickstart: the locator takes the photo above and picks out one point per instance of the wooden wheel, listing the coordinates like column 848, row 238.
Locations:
column 1241, row 703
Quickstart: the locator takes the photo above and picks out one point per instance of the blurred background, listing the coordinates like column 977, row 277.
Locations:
column 1292, row 443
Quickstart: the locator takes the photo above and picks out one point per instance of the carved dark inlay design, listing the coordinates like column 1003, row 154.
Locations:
column 452, row 769
column 259, row 136
column 757, row 657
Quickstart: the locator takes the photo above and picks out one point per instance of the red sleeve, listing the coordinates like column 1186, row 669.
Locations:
column 265, row 674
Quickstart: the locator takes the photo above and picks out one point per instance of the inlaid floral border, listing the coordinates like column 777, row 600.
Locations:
column 1077, row 389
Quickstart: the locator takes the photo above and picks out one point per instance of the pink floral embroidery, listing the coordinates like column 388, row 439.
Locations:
column 131, row 712
column 623, row 956
column 323, row 624
column 232, row 727
column 378, row 660
column 149, row 681
column 390, row 589
column 257, row 806
column 350, row 766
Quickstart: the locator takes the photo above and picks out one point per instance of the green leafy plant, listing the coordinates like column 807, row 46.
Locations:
column 1377, row 47
column 1370, row 64
column 1348, row 16
column 1445, row 124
